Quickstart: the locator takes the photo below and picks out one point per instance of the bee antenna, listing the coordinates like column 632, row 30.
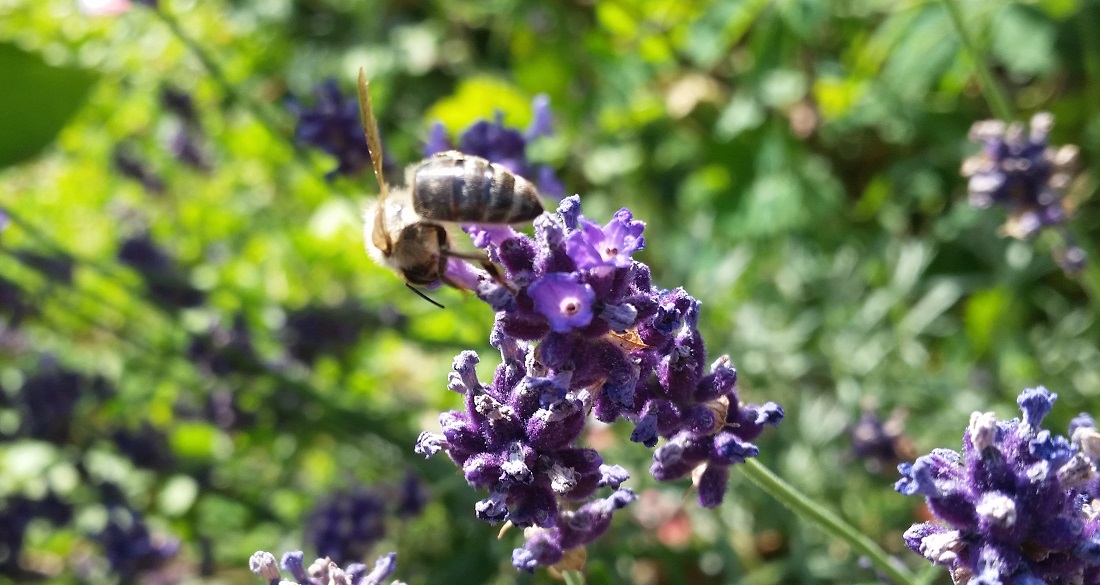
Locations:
column 421, row 294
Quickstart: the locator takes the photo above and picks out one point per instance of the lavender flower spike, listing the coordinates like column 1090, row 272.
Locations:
column 1012, row 507
column 322, row 571
column 587, row 332
column 1019, row 170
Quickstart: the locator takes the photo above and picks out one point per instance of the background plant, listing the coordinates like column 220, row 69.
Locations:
column 797, row 164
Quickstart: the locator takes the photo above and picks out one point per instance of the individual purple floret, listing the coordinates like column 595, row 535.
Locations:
column 505, row 146
column 322, row 571
column 344, row 526
column 332, row 125
column 1014, row 507
column 1017, row 169
column 586, row 332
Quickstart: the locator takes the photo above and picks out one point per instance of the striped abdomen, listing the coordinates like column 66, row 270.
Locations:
column 462, row 188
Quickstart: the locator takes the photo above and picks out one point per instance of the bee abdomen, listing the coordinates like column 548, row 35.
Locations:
column 462, row 188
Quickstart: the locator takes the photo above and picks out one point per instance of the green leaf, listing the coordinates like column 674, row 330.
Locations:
column 1023, row 39
column 37, row 101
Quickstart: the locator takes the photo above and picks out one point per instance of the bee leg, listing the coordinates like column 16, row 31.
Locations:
column 485, row 264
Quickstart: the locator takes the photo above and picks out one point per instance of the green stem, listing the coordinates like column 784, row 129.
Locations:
column 810, row 510
column 993, row 92
column 573, row 577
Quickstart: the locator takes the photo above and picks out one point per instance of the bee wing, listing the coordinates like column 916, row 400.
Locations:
column 380, row 234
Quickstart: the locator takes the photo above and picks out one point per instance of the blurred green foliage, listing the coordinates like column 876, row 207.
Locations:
column 796, row 162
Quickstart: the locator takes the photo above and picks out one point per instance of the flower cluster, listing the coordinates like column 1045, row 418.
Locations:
column 1014, row 506
column 581, row 329
column 1020, row 171
column 332, row 125
column 322, row 571
column 343, row 527
column 505, row 146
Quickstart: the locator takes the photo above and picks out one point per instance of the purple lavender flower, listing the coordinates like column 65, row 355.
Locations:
column 586, row 331
column 16, row 514
column 129, row 165
column 183, row 144
column 13, row 302
column 344, row 526
column 47, row 401
column 315, row 330
column 505, row 146
column 411, row 497
column 146, row 446
column 131, row 548
column 165, row 283
column 1021, row 172
column 323, row 571
column 592, row 246
column 179, row 103
column 333, row 126
column 881, row 444
column 563, row 300
column 221, row 351
column 1014, row 506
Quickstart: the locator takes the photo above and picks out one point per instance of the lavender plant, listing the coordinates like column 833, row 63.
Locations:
column 585, row 331
column 1019, row 171
column 322, row 571
column 332, row 126
column 1016, row 506
column 345, row 525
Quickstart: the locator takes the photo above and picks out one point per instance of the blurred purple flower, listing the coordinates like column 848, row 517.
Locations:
column 411, row 497
column 1020, row 171
column 166, row 284
column 16, row 515
column 584, row 330
column 333, row 126
column 1013, row 507
column 183, row 145
column 145, row 446
column 315, row 330
column 222, row 351
column 131, row 549
column 179, row 103
column 881, row 444
column 344, row 526
column 129, row 165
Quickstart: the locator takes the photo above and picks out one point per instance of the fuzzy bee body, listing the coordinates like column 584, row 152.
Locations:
column 461, row 188
column 405, row 229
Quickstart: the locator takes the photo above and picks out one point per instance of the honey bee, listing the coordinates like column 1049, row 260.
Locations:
column 406, row 229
